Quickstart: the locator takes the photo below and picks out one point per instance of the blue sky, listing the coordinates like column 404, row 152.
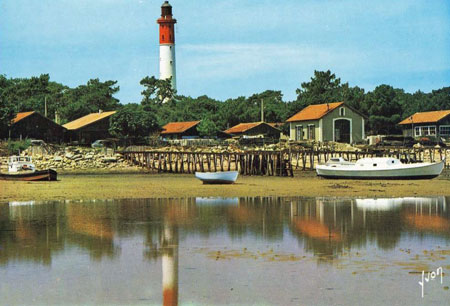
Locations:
column 230, row 48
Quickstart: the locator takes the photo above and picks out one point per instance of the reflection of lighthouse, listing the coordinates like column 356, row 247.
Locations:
column 170, row 265
column 167, row 44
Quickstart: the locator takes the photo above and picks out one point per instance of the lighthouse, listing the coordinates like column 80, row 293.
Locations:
column 167, row 44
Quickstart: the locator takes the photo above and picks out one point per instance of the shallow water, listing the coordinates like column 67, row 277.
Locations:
column 241, row 251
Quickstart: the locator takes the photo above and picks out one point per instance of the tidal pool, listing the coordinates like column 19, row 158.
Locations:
column 233, row 251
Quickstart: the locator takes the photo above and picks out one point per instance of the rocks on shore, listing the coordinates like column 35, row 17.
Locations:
column 75, row 158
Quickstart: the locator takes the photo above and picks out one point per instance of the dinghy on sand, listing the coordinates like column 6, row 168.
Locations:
column 225, row 177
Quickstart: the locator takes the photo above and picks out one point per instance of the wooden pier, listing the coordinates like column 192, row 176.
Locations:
column 269, row 163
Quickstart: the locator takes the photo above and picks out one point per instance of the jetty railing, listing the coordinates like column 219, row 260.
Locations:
column 270, row 163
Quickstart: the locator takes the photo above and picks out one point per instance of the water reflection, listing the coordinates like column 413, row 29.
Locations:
column 325, row 228
column 33, row 230
column 169, row 245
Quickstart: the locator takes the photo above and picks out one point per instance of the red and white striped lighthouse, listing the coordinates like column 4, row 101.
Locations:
column 167, row 44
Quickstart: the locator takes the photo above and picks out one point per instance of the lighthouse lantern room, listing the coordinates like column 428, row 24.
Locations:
column 167, row 44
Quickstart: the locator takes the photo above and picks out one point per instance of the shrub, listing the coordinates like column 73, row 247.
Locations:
column 14, row 147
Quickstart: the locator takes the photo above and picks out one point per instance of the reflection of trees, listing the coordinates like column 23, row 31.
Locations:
column 258, row 216
column 262, row 217
column 384, row 227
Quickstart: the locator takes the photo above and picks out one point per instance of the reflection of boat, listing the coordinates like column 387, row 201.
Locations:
column 21, row 203
column 380, row 168
column 217, row 201
column 21, row 168
column 225, row 177
column 378, row 204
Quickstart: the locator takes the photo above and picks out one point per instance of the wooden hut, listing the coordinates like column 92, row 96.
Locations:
column 89, row 128
column 34, row 125
column 180, row 130
column 254, row 129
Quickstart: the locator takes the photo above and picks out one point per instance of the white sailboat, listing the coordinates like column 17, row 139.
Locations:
column 379, row 168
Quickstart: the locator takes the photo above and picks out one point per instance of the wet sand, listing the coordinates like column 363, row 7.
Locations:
column 151, row 185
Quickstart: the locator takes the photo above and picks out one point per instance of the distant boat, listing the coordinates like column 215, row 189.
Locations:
column 21, row 168
column 379, row 168
column 225, row 177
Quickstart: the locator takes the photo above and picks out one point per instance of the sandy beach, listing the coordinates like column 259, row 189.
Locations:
column 77, row 186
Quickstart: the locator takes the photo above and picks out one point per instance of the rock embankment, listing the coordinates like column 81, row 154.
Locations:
column 75, row 158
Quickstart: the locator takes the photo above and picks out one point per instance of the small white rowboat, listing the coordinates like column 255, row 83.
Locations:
column 225, row 177
column 379, row 168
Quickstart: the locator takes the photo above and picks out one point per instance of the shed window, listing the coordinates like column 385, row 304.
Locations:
column 417, row 131
column 162, row 37
column 342, row 111
column 444, row 130
column 425, row 130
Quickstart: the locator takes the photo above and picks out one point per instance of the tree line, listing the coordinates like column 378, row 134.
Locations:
column 384, row 106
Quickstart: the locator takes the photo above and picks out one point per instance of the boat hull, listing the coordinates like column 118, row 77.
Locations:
column 226, row 177
column 42, row 175
column 403, row 172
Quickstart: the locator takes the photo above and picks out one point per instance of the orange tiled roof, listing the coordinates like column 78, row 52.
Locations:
column 20, row 116
column 86, row 120
column 434, row 116
column 178, row 127
column 314, row 112
column 242, row 127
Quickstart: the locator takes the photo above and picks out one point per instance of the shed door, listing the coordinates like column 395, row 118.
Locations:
column 342, row 130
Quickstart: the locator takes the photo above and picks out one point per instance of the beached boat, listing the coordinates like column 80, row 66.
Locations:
column 21, row 168
column 225, row 177
column 379, row 168
column 42, row 175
